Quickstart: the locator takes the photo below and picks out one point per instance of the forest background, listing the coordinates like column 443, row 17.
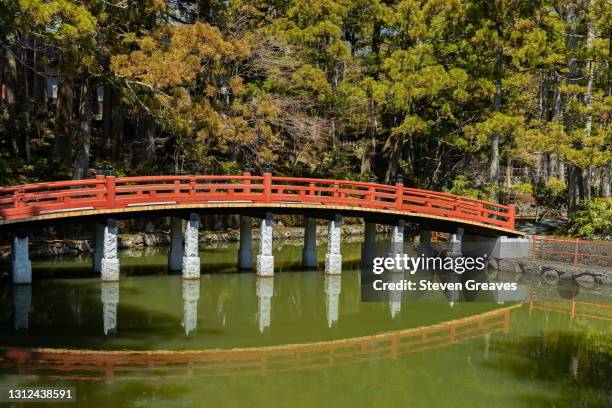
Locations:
column 499, row 99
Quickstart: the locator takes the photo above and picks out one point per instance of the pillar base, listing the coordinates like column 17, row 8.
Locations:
column 265, row 265
column 175, row 260
column 191, row 267
column 333, row 263
column 245, row 259
column 110, row 269
column 309, row 258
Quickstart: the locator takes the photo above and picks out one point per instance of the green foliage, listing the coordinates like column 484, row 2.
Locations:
column 462, row 186
column 522, row 188
column 593, row 219
column 412, row 87
column 552, row 194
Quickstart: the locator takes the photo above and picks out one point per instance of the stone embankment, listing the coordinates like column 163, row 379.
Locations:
column 550, row 270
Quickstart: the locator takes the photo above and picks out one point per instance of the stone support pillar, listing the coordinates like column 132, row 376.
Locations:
column 245, row 252
column 265, row 259
column 309, row 253
column 175, row 254
column 109, row 264
column 191, row 258
column 333, row 257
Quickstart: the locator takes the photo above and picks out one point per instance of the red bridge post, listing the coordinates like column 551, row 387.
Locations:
column 511, row 215
column 267, row 184
column 110, row 191
column 399, row 193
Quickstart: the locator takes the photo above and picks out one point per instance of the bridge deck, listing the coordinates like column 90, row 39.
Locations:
column 247, row 194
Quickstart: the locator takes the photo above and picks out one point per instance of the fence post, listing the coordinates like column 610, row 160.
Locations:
column 110, row 191
column 575, row 252
column 267, row 183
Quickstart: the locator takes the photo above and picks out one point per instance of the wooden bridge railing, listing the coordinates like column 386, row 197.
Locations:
column 109, row 192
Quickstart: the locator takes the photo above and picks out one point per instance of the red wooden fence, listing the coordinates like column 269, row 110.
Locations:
column 109, row 192
column 569, row 250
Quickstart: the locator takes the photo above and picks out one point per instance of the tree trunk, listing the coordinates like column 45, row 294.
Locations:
column 394, row 146
column 81, row 161
column 494, row 159
column 63, row 123
column 40, row 97
column 575, row 185
column 572, row 189
column 606, row 181
column 367, row 162
column 508, row 181
column 116, row 125
column 28, row 78
column 107, row 120
column 10, row 91
column 370, row 149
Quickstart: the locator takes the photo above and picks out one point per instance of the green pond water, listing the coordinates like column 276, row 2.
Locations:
column 300, row 339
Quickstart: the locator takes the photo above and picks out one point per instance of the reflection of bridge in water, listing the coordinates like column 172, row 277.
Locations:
column 91, row 365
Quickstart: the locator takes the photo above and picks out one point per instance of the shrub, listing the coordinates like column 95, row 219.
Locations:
column 463, row 186
column 522, row 188
column 593, row 219
column 552, row 194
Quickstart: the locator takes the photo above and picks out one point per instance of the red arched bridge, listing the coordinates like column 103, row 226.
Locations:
column 106, row 198
column 119, row 196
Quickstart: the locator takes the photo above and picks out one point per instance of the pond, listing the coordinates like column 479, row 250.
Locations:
column 302, row 338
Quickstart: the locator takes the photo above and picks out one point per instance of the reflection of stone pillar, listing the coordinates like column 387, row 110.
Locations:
column 333, row 257
column 109, row 293
column 265, row 259
column 265, row 290
column 109, row 264
column 395, row 296
column 574, row 367
column 245, row 252
column 191, row 259
column 455, row 243
column 191, row 294
column 175, row 254
column 309, row 253
column 487, row 345
column 98, row 247
column 369, row 232
column 333, row 286
column 22, row 300
column 21, row 267
column 453, row 295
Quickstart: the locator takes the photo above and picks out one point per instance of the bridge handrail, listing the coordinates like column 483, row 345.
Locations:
column 109, row 192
